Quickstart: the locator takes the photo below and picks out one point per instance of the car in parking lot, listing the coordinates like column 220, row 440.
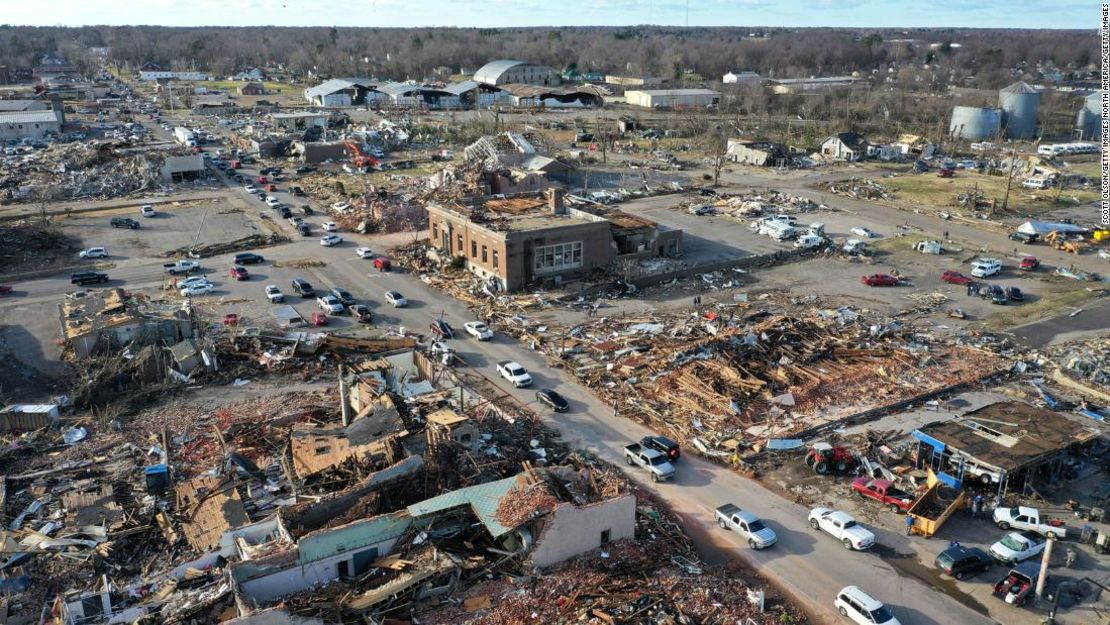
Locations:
column 861, row 231
column 997, row 294
column 862, row 609
column 193, row 280
column 147, row 210
column 880, row 279
column 361, row 313
column 552, row 400
column 305, row 230
column 396, row 299
column 963, row 562
column 364, row 252
column 197, row 289
column 955, row 277
column 1029, row 263
column 330, row 226
column 331, row 240
column 248, row 258
column 295, row 221
column 330, row 303
column 319, row 318
column 272, row 201
column 442, row 329
column 1017, row 546
column 478, row 330
column 87, row 277
column 94, row 252
column 250, row 188
column 274, row 294
column 303, row 288
column 1014, row 294
column 235, row 272
column 382, row 263
column 343, row 295
column 284, row 212
column 124, row 222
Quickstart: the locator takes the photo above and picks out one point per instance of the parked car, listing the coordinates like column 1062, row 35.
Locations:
column 552, row 400
column 303, row 288
column 124, row 222
column 955, row 277
column 274, row 294
column 442, row 329
column 6, row 289
column 305, row 230
column 272, row 201
column 343, row 295
column 1018, row 583
column 1024, row 237
column 863, row 609
column 984, row 267
column 197, row 289
column 879, row 279
column 963, row 562
column 478, row 330
column 997, row 294
column 747, row 524
column 306, row 209
column 364, row 253
column 654, row 461
column 1029, row 263
column 250, row 188
column 331, row 240
column 330, row 226
column 247, row 258
column 178, row 267
column 361, row 313
column 87, row 277
column 668, row 447
column 341, row 207
column 1017, row 546
column 147, row 210
column 842, row 527
column 94, row 252
column 382, row 263
column 1030, row 519
column 319, row 318
column 296, row 191
column 235, row 272
column 1014, row 294
column 330, row 303
column 396, row 299
column 514, row 373
column 861, row 231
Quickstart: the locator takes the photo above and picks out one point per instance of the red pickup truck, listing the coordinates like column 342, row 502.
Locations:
column 884, row 491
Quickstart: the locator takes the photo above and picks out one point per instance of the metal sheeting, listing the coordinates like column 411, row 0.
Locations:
column 1020, row 103
column 974, row 123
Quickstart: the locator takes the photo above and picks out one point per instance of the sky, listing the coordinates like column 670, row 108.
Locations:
column 507, row 13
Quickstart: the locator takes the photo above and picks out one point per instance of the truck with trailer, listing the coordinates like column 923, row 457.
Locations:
column 184, row 136
column 934, row 506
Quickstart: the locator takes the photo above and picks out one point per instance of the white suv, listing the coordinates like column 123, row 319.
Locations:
column 983, row 267
column 862, row 608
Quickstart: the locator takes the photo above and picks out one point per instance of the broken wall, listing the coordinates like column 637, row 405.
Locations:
column 569, row 530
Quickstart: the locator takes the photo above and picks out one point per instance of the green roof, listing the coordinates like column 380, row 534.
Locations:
column 483, row 499
column 325, row 543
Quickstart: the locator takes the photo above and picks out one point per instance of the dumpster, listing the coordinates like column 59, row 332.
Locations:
column 933, row 508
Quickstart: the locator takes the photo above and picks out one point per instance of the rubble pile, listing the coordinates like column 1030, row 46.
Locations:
column 250, row 242
column 28, row 244
column 1087, row 360
column 769, row 201
column 73, row 171
column 859, row 188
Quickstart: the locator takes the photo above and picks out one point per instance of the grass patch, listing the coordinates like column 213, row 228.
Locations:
column 233, row 86
column 937, row 192
column 1055, row 299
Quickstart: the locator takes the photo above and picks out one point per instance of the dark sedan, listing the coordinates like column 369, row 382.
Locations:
column 248, row 258
column 552, row 400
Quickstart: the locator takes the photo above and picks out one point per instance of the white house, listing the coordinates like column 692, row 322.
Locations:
column 739, row 77
column 846, row 146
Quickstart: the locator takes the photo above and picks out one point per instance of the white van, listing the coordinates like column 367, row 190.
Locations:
column 862, row 608
column 1036, row 183
column 985, row 267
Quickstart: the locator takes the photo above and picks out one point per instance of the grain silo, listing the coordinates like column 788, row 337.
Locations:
column 974, row 123
column 1019, row 103
column 1088, row 123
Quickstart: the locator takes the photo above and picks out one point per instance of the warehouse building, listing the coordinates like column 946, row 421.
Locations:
column 21, row 125
column 673, row 98
column 507, row 71
column 532, row 238
column 460, row 95
column 340, row 92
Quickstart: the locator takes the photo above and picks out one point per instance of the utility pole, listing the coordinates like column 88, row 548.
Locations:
column 1009, row 179
column 1044, row 568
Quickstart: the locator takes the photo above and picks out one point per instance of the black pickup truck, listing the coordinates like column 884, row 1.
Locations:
column 662, row 444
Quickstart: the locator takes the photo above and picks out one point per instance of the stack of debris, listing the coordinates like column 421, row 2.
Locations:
column 859, row 188
column 1087, row 360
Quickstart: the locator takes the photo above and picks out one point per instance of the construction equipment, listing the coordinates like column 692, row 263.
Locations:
column 824, row 458
column 360, row 158
column 1061, row 242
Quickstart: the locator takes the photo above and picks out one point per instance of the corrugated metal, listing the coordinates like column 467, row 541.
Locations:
column 490, row 72
column 974, row 123
column 1020, row 104
column 29, row 117
column 329, row 542
column 483, row 499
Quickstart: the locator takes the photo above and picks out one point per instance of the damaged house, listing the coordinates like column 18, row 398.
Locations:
column 758, row 153
column 111, row 319
column 512, row 165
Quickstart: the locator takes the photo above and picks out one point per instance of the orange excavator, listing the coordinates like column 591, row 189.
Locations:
column 360, row 158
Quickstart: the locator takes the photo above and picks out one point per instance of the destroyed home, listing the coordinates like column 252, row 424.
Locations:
column 846, row 146
column 512, row 165
column 1005, row 445
column 113, row 319
column 758, row 153
column 517, row 241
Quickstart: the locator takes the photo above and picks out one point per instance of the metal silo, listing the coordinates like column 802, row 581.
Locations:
column 974, row 124
column 1088, row 123
column 1019, row 104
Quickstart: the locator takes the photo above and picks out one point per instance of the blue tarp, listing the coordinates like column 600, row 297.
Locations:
column 784, row 444
column 929, row 440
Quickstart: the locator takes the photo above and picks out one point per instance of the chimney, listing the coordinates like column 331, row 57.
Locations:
column 555, row 201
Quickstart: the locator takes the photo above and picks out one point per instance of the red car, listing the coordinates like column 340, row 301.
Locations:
column 382, row 263
column 5, row 289
column 319, row 319
column 238, row 273
column 1029, row 263
column 955, row 277
column 271, row 188
column 880, row 279
column 262, row 180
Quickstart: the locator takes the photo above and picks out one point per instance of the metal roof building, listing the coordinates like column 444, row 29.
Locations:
column 505, row 71
column 19, row 125
column 339, row 91
column 483, row 500
column 672, row 98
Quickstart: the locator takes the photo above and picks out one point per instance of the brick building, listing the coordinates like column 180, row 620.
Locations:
column 514, row 242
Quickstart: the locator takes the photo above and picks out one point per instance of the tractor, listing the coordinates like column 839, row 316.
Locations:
column 823, row 458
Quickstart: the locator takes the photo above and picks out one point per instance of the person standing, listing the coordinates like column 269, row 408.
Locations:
column 909, row 525
column 976, row 506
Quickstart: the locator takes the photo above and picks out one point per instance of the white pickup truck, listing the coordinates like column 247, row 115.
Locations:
column 842, row 527
column 653, row 460
column 1022, row 518
column 751, row 527
column 514, row 373
column 181, row 266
